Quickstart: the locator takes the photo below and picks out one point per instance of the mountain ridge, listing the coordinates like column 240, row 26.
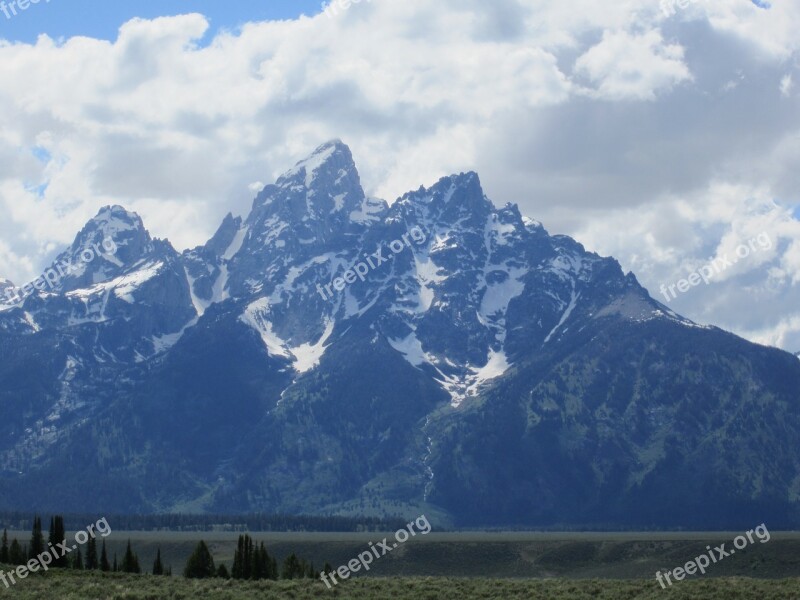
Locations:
column 483, row 370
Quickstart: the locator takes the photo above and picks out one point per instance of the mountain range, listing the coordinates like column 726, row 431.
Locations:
column 334, row 354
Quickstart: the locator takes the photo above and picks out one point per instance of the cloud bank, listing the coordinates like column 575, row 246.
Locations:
column 661, row 140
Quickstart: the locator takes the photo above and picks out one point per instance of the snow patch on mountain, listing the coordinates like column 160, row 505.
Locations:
column 304, row 357
column 369, row 212
column 162, row 343
column 307, row 356
column 531, row 223
column 570, row 307
column 29, row 319
column 468, row 383
column 499, row 295
column 310, row 165
column 255, row 315
column 500, row 231
column 123, row 286
column 67, row 401
column 460, row 382
column 411, row 349
column 236, row 243
column 566, row 266
column 200, row 305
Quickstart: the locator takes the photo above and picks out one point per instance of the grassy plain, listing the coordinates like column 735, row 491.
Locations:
column 456, row 566
column 81, row 586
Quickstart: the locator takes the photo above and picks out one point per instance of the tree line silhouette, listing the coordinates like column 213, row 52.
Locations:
column 251, row 561
column 236, row 523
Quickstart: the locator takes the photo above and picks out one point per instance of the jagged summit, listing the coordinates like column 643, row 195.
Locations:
column 110, row 243
column 329, row 352
column 330, row 160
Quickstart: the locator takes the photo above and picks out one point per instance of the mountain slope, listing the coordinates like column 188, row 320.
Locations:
column 333, row 354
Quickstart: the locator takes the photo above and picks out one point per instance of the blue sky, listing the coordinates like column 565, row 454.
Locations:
column 102, row 18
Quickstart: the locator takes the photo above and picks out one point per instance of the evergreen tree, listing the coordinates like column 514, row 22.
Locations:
column 104, row 566
column 58, row 535
column 16, row 555
column 222, row 572
column 130, row 562
column 292, row 569
column 237, row 569
column 114, row 568
column 4, row 548
column 91, row 554
column 77, row 561
column 247, row 559
column 273, row 569
column 269, row 567
column 158, row 568
column 258, row 570
column 200, row 564
column 37, row 539
column 243, row 558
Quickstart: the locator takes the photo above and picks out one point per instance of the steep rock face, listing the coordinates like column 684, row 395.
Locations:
column 330, row 353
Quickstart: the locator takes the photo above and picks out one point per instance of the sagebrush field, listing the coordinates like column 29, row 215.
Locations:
column 69, row 585
column 457, row 566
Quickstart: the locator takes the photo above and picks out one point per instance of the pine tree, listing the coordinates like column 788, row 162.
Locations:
column 104, row 566
column 158, row 568
column 91, row 554
column 77, row 562
column 247, row 558
column 200, row 564
column 243, row 558
column 292, row 569
column 259, row 569
column 268, row 568
column 237, row 570
column 16, row 555
column 57, row 536
column 273, row 569
column 37, row 539
column 130, row 562
column 222, row 572
column 4, row 548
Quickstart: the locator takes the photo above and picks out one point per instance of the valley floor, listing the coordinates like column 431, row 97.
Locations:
column 70, row 585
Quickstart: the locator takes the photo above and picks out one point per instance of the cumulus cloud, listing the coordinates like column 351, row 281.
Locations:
column 633, row 66
column 660, row 140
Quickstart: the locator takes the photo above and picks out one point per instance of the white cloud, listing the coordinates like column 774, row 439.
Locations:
column 633, row 66
column 606, row 121
column 786, row 86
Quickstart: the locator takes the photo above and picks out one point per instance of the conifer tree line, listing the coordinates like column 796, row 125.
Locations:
column 234, row 523
column 251, row 561
column 85, row 558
